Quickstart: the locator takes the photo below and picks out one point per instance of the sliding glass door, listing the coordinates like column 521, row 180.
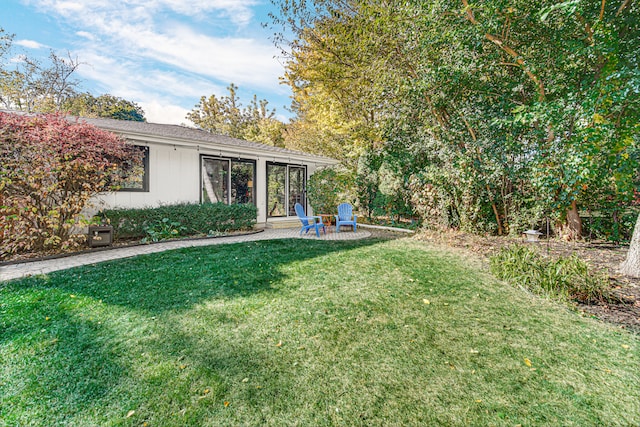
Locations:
column 296, row 188
column 286, row 186
column 276, row 190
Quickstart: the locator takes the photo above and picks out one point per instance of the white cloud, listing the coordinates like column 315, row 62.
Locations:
column 238, row 60
column 238, row 11
column 30, row 44
column 140, row 29
column 156, row 91
column 131, row 80
column 18, row 59
column 158, row 111
column 86, row 35
column 152, row 51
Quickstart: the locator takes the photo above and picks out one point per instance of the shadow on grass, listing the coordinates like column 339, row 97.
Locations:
column 178, row 279
column 59, row 363
column 64, row 335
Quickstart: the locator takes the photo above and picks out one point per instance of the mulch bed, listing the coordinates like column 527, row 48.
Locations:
column 606, row 257
column 120, row 243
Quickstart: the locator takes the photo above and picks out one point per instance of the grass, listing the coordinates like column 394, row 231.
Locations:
column 308, row 333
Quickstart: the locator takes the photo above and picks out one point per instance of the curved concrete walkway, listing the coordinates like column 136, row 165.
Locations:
column 31, row 268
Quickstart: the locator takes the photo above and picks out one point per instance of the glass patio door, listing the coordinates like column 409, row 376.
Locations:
column 285, row 187
column 296, row 188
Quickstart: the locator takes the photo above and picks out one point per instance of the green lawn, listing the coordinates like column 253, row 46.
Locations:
column 307, row 333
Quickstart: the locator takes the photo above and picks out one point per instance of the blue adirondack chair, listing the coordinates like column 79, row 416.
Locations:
column 309, row 222
column 345, row 216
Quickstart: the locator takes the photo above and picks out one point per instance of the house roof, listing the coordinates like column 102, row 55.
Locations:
column 195, row 137
column 183, row 135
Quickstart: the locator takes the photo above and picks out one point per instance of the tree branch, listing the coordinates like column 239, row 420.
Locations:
column 587, row 27
column 469, row 12
column 515, row 55
column 520, row 62
column 623, row 6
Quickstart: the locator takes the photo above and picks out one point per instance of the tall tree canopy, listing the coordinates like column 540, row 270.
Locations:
column 108, row 106
column 486, row 116
column 28, row 84
column 226, row 116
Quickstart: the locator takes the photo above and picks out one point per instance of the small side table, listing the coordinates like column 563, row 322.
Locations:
column 326, row 219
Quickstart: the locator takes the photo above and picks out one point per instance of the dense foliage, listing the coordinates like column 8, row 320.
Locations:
column 225, row 115
column 50, row 168
column 328, row 187
column 180, row 220
column 108, row 106
column 486, row 117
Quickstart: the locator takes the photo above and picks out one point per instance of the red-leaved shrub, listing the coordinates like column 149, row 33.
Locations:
column 50, row 168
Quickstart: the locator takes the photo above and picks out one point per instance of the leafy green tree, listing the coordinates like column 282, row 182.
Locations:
column 226, row 116
column 107, row 106
column 260, row 124
column 505, row 109
column 328, row 187
column 219, row 115
column 32, row 85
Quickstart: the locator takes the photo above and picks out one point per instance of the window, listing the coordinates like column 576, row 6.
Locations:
column 215, row 181
column 229, row 181
column 134, row 177
column 286, row 186
column 242, row 174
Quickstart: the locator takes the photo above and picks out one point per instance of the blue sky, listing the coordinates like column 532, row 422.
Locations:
column 162, row 54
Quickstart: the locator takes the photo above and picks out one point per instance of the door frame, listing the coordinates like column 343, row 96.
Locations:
column 287, row 208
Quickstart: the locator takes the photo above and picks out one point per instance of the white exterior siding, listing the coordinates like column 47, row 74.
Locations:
column 173, row 178
column 174, row 165
column 261, row 191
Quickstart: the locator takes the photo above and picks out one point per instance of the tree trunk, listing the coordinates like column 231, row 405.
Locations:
column 631, row 266
column 572, row 229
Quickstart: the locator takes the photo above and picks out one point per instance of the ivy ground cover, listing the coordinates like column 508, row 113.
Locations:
column 301, row 332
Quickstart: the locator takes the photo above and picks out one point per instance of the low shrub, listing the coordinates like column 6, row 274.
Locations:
column 610, row 225
column 161, row 230
column 187, row 219
column 565, row 278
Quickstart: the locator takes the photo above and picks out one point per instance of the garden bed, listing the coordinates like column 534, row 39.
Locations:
column 601, row 256
column 118, row 243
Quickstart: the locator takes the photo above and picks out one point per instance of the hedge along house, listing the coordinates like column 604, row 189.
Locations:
column 184, row 164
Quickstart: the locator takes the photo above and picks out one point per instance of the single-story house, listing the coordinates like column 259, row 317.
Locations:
column 183, row 164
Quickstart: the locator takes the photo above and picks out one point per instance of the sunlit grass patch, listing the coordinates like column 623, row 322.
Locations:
column 300, row 332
